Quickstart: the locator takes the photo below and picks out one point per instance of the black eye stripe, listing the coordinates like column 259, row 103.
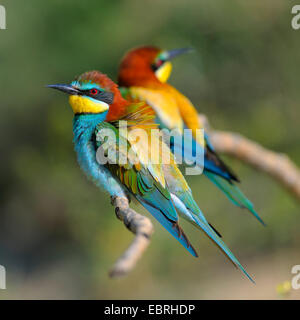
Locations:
column 105, row 96
column 157, row 64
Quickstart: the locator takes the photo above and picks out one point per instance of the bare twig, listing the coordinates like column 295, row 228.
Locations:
column 277, row 165
column 141, row 227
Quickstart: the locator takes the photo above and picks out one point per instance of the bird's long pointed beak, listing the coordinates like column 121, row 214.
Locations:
column 66, row 88
column 176, row 52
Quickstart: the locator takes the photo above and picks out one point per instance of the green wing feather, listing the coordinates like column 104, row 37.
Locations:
column 140, row 181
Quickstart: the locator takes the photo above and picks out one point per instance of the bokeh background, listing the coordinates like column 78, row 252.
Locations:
column 58, row 232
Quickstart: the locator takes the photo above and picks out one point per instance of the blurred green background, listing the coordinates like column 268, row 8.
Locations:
column 58, row 232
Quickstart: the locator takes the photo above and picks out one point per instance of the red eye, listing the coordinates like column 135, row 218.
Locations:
column 159, row 63
column 94, row 91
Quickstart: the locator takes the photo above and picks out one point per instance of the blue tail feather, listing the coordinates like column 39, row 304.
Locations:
column 171, row 226
column 234, row 194
column 211, row 234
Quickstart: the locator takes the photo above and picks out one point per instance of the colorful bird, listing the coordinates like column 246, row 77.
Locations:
column 159, row 187
column 142, row 76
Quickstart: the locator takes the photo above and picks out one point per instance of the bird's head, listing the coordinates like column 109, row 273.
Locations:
column 91, row 92
column 147, row 64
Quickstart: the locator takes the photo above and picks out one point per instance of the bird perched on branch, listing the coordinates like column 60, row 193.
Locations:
column 128, row 171
column 143, row 75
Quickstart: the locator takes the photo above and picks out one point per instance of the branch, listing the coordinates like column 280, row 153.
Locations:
column 277, row 165
column 137, row 224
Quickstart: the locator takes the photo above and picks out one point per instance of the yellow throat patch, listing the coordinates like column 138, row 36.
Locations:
column 163, row 73
column 82, row 104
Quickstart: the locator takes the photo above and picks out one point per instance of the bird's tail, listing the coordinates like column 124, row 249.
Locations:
column 213, row 236
column 171, row 226
column 196, row 219
column 233, row 193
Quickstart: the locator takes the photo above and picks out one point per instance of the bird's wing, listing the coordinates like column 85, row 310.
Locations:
column 163, row 104
column 190, row 117
column 214, row 167
column 178, row 186
column 188, row 113
column 143, row 179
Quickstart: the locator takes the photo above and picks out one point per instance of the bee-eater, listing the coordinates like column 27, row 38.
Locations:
column 143, row 75
column 159, row 187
